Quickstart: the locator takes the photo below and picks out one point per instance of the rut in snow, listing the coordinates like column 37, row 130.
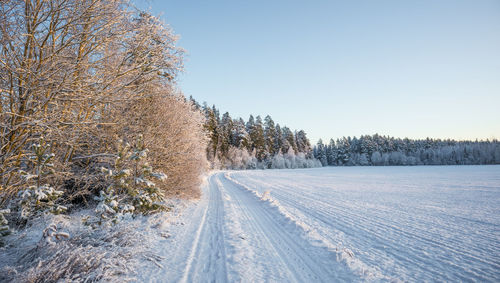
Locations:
column 236, row 236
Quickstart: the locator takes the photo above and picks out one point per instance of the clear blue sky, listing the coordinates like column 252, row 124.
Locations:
column 427, row 68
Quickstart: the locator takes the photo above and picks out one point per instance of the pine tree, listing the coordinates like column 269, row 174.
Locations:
column 211, row 127
column 289, row 137
column 320, row 153
column 250, row 125
column 4, row 225
column 270, row 135
column 240, row 136
column 39, row 196
column 278, row 140
column 131, row 189
column 195, row 103
column 331, row 153
column 225, row 136
column 258, row 139
column 303, row 144
column 343, row 147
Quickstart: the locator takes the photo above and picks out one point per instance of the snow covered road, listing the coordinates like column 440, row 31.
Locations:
column 243, row 238
column 341, row 224
column 235, row 236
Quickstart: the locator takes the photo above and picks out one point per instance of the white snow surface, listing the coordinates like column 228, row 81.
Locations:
column 335, row 224
column 424, row 223
column 378, row 224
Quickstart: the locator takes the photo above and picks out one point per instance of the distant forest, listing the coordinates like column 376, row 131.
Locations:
column 385, row 150
column 234, row 143
column 257, row 143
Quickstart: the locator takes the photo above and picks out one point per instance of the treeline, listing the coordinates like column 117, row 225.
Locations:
column 384, row 150
column 254, row 144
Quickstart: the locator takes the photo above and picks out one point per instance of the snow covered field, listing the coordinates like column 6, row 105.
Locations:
column 429, row 223
column 421, row 223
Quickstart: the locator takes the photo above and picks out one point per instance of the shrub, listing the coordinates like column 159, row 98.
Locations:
column 172, row 131
column 38, row 197
column 4, row 225
column 131, row 189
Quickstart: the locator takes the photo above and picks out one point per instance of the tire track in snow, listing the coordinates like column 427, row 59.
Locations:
column 233, row 236
column 297, row 257
column 256, row 261
column 194, row 248
column 207, row 259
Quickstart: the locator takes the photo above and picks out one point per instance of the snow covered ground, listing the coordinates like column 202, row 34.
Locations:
column 439, row 223
column 389, row 224
column 425, row 223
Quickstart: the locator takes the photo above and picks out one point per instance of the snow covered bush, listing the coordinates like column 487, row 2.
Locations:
column 290, row 160
column 51, row 235
column 240, row 159
column 172, row 131
column 145, row 196
column 4, row 225
column 37, row 197
column 131, row 189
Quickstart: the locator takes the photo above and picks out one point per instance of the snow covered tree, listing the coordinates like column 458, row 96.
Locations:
column 225, row 129
column 240, row 136
column 363, row 160
column 250, row 124
column 343, row 147
column 303, row 144
column 331, row 153
column 278, row 140
column 270, row 135
column 38, row 196
column 497, row 154
column 144, row 194
column 376, row 158
column 259, row 140
column 320, row 153
column 289, row 139
column 131, row 188
column 387, row 150
column 80, row 73
column 211, row 127
column 173, row 133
